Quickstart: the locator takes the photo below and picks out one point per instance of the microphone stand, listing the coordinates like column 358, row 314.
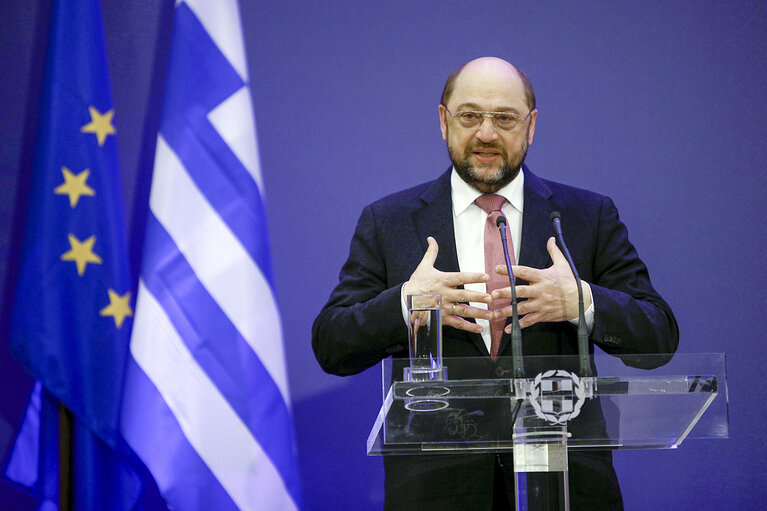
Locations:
column 583, row 336
column 517, row 365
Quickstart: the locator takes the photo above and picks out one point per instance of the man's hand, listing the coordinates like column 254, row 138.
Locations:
column 427, row 279
column 551, row 293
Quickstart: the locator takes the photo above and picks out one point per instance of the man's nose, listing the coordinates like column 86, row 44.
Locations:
column 487, row 131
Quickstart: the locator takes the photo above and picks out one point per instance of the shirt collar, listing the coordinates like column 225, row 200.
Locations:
column 464, row 194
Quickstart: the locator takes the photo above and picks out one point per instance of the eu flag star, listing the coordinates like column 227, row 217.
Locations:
column 100, row 125
column 119, row 307
column 81, row 253
column 74, row 186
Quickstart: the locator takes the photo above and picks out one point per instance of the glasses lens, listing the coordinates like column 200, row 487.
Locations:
column 469, row 119
column 506, row 121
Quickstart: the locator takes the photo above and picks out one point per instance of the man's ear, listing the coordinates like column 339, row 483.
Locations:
column 443, row 122
column 531, row 129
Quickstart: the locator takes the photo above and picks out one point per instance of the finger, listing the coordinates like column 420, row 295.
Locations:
column 418, row 319
column 466, row 296
column 503, row 312
column 525, row 291
column 503, row 293
column 557, row 257
column 461, row 324
column 460, row 278
column 507, row 312
column 527, row 307
column 530, row 319
column 467, row 311
column 501, row 269
column 508, row 328
column 526, row 273
column 431, row 252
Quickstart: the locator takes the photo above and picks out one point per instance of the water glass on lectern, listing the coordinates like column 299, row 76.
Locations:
column 425, row 336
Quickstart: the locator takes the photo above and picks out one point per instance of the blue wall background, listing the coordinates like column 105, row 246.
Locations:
column 660, row 105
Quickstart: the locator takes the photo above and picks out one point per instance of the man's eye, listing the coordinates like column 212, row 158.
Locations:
column 469, row 116
column 504, row 118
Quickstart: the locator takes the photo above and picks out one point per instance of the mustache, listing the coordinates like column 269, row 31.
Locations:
column 481, row 145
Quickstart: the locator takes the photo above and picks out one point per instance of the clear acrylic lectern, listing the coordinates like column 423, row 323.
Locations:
column 634, row 402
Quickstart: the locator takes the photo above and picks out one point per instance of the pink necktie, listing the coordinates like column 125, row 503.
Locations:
column 491, row 204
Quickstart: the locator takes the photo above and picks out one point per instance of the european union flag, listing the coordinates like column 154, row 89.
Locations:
column 73, row 309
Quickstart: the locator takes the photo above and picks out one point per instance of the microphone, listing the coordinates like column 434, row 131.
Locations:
column 583, row 337
column 517, row 365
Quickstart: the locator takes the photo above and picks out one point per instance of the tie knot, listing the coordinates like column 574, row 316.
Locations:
column 490, row 202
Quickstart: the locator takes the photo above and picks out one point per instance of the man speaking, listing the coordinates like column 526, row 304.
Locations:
column 430, row 239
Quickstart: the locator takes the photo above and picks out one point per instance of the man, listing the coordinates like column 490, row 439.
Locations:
column 429, row 239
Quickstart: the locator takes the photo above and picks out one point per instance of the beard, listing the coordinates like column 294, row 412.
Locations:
column 478, row 176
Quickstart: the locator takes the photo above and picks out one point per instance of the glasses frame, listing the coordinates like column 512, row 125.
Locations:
column 491, row 115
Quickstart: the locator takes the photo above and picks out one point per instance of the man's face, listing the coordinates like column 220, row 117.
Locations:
column 486, row 157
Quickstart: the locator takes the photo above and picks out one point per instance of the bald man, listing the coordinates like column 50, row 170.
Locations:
column 429, row 239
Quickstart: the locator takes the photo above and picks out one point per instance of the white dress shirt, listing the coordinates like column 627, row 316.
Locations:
column 469, row 224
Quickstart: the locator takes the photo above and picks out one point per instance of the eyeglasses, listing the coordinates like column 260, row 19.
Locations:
column 505, row 121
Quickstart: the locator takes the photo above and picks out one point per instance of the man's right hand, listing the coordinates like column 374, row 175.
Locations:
column 426, row 279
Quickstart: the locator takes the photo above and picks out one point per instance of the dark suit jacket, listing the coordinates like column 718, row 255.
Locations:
column 362, row 322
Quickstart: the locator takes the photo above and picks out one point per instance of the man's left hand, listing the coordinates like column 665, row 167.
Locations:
column 551, row 293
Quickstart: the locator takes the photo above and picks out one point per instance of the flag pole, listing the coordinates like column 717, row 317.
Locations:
column 65, row 458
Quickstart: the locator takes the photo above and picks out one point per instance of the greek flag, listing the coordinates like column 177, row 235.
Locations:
column 206, row 405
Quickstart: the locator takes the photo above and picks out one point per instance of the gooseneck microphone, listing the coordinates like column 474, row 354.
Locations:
column 517, row 365
column 583, row 336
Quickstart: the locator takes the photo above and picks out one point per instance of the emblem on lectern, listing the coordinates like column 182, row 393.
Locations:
column 557, row 396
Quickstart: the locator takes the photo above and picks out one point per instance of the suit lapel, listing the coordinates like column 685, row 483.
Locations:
column 435, row 219
column 536, row 225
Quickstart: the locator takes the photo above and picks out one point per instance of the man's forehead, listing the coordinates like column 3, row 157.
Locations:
column 492, row 84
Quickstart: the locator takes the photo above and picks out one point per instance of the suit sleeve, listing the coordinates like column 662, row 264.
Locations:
column 361, row 324
column 630, row 316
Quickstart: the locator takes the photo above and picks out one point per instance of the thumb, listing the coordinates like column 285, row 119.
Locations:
column 557, row 257
column 431, row 253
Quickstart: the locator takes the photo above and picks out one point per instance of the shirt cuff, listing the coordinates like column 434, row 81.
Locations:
column 403, row 303
column 588, row 314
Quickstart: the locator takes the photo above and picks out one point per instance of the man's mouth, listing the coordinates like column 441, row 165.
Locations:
column 486, row 155
column 485, row 150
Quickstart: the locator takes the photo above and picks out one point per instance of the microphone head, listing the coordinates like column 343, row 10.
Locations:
column 501, row 220
column 554, row 216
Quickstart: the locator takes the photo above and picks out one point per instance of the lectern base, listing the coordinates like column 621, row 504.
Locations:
column 540, row 469
column 542, row 491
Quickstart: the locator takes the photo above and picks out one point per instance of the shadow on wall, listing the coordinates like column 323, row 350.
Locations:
column 334, row 431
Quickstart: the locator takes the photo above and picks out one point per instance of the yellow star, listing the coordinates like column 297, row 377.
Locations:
column 118, row 308
column 101, row 124
column 81, row 253
column 74, row 186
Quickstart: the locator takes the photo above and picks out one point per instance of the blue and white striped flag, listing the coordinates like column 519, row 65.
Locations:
column 206, row 405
